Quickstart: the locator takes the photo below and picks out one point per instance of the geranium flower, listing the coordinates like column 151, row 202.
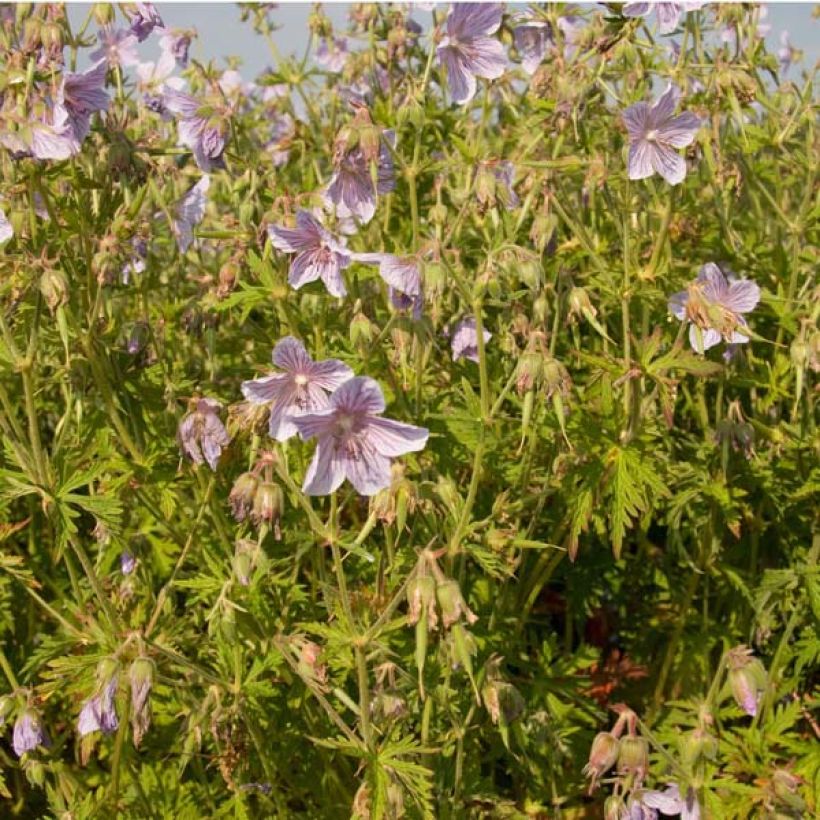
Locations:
column 152, row 81
column 28, row 733
column 144, row 19
column 301, row 388
column 351, row 191
column 464, row 341
column 467, row 51
column 670, row 802
column 199, row 127
column 332, row 53
column 47, row 135
column 668, row 14
column 118, row 47
column 202, row 435
column 532, row 38
column 189, row 212
column 80, row 95
column 354, row 441
column 715, row 308
column 99, row 713
column 320, row 255
column 654, row 131
column 176, row 42
column 401, row 273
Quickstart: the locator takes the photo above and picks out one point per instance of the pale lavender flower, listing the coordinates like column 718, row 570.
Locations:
column 277, row 91
column 47, row 135
column 654, row 132
column 464, row 341
column 354, row 441
column 301, row 388
column 282, row 132
column 99, row 712
column 28, row 733
column 176, row 42
column 351, row 191
column 759, row 13
column 199, row 130
column 400, row 272
column 188, row 213
column 128, row 562
column 232, row 84
column 144, row 19
column 319, row 254
column 670, row 802
column 118, row 47
column 6, row 230
column 401, row 301
column 332, row 53
column 467, row 51
column 786, row 54
column 202, row 435
column 532, row 38
column 668, row 14
column 153, row 79
column 80, row 95
column 715, row 306
column 636, row 810
column 571, row 27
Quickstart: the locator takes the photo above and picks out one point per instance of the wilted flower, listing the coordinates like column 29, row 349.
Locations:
column 175, row 42
column 351, row 190
column 464, row 340
column 188, row 213
column 6, row 230
column 144, row 19
column 332, row 53
column 320, row 255
column 200, row 129
column 118, row 47
column 401, row 273
column 242, row 495
column 532, row 38
column 80, row 95
column 202, row 435
column 467, row 51
column 28, row 733
column 715, row 307
column 141, row 678
column 602, row 757
column 452, row 603
column 354, row 442
column 494, row 182
column 302, row 388
column 670, row 802
column 668, row 14
column 654, row 131
column 99, row 712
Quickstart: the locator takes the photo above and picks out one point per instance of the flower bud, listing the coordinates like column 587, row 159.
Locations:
column 438, row 213
column 421, row 593
column 747, row 678
column 785, row 786
column 503, row 701
column 242, row 495
column 51, row 36
column 452, row 603
column 543, row 227
column 697, row 746
column 602, row 756
column 579, row 303
column 242, row 563
column 54, row 288
column 362, row 330
column 633, row 756
column 799, row 353
column 103, row 13
column 137, row 339
column 485, row 186
column 529, row 371
column 268, row 505
column 141, row 678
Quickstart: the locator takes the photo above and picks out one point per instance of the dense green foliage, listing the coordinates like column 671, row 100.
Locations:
column 600, row 516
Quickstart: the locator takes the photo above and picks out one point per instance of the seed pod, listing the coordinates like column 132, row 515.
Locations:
column 242, row 495
column 452, row 603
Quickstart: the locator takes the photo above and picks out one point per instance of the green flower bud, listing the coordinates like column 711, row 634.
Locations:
column 242, row 563
column 633, row 756
column 54, row 287
column 452, row 603
column 362, row 330
column 421, row 593
column 103, row 13
column 602, row 756
column 6, row 708
column 529, row 371
column 268, row 505
column 242, row 495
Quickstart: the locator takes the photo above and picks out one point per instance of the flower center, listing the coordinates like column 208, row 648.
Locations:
column 652, row 136
column 300, row 379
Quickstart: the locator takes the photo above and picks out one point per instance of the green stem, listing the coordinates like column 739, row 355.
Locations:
column 7, row 670
column 91, row 575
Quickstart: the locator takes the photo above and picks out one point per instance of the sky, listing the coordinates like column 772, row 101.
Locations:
column 221, row 34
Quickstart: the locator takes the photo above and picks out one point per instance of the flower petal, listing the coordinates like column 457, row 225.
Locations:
column 359, row 395
column 394, row 438
column 639, row 162
column 367, row 469
column 469, row 20
column 742, row 296
column 671, row 166
column 461, row 82
column 677, row 304
column 325, row 473
column 701, row 340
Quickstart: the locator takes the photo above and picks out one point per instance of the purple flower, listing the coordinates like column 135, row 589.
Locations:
column 176, row 42
column 49, row 136
column 571, row 28
column 199, row 129
column 354, row 441
column 28, row 733
column 786, row 54
column 715, row 307
column 654, row 131
column 401, row 301
column 6, row 231
column 128, row 562
column 351, row 190
column 670, row 802
column 400, row 272
column 144, row 19
column 188, row 213
column 302, row 388
column 80, row 95
column 320, row 255
column 118, row 47
column 668, row 14
column 332, row 53
column 202, row 435
column 99, row 713
column 532, row 38
column 467, row 51
column 464, row 340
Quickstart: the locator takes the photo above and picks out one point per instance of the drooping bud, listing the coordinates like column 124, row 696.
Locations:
column 785, row 786
column 310, row 664
column 141, row 679
column 452, row 603
column 54, row 287
column 421, row 593
column 103, row 13
column 633, row 756
column 747, row 678
column 529, row 371
column 602, row 756
column 485, row 185
column 268, row 505
column 28, row 733
column 698, row 746
column 362, row 330
column 242, row 563
column 503, row 701
column 242, row 495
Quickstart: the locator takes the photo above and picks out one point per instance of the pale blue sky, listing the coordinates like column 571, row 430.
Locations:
column 221, row 34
